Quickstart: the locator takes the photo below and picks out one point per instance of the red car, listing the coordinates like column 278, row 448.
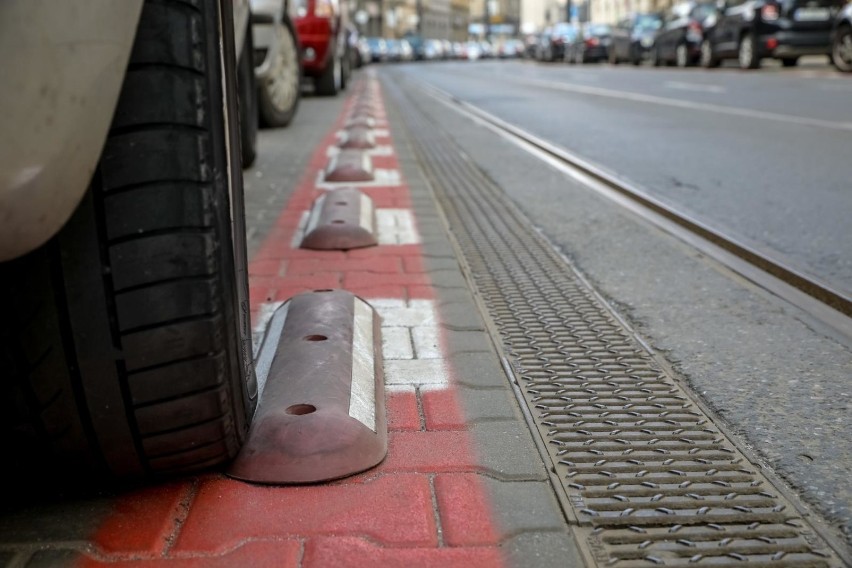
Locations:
column 321, row 27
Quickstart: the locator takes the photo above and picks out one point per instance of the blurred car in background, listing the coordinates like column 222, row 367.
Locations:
column 378, row 49
column 432, row 50
column 472, row 51
column 552, row 42
column 278, row 70
column 591, row 45
column 751, row 30
column 321, row 29
column 122, row 247
column 394, row 47
column 682, row 33
column 632, row 37
column 841, row 40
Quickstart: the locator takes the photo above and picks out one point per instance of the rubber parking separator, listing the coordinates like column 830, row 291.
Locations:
column 361, row 121
column 358, row 137
column 321, row 414
column 341, row 219
column 349, row 166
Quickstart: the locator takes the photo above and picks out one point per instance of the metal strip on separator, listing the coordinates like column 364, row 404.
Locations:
column 650, row 479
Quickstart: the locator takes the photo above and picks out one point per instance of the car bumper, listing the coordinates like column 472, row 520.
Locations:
column 315, row 40
column 796, row 43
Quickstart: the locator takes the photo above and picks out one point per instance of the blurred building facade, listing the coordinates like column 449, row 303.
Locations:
column 611, row 11
column 431, row 19
column 495, row 17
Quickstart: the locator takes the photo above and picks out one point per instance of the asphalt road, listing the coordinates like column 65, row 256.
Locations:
column 761, row 156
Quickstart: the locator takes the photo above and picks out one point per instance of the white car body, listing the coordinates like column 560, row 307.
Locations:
column 64, row 62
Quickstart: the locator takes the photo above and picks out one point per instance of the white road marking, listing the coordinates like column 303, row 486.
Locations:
column 269, row 330
column 396, row 227
column 697, row 87
column 691, row 105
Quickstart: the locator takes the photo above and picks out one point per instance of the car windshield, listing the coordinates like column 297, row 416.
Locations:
column 597, row 30
column 647, row 22
column 566, row 30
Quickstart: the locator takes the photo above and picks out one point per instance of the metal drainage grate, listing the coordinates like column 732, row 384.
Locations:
column 650, row 478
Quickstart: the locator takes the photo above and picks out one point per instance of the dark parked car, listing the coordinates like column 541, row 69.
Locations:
column 751, row 30
column 591, row 45
column 552, row 42
column 841, row 40
column 680, row 37
column 633, row 37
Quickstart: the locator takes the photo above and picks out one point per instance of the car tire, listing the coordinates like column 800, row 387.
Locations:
column 612, row 56
column 126, row 346
column 328, row 82
column 707, row 58
column 841, row 49
column 247, row 101
column 636, row 56
column 747, row 53
column 789, row 61
column 278, row 96
column 345, row 70
column 655, row 56
column 682, row 56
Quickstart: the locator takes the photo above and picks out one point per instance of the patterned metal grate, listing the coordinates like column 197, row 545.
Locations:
column 650, row 478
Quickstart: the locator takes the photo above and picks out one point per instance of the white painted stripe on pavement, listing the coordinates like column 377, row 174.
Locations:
column 697, row 87
column 396, row 227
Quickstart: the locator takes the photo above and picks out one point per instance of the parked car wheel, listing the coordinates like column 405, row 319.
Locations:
column 747, row 53
column 635, row 56
column 841, row 49
column 278, row 95
column 682, row 56
column 329, row 82
column 247, row 101
column 708, row 58
column 655, row 56
column 125, row 340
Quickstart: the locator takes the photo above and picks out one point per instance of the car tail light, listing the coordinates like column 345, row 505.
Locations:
column 771, row 43
column 323, row 9
column 592, row 42
column 769, row 13
column 694, row 27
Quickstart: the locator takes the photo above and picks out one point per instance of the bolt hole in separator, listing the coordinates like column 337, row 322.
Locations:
column 321, row 413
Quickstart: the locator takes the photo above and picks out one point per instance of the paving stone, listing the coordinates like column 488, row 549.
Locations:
column 396, row 343
column 54, row 558
column 416, row 372
column 347, row 552
column 477, row 370
column 542, row 550
column 483, row 405
column 467, row 342
column 507, row 450
column 218, row 520
column 427, row 341
column 402, row 409
column 510, row 507
column 461, row 316
column 279, row 553
column 430, row 452
column 421, row 313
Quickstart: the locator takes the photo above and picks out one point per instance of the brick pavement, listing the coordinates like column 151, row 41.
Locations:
column 462, row 484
